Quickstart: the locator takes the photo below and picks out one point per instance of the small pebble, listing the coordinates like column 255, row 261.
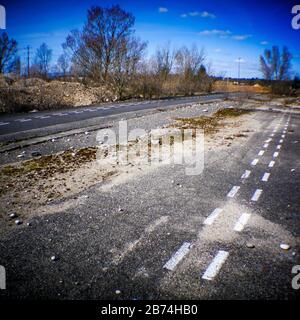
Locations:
column 250, row 245
column 53, row 258
column 118, row 291
column 13, row 215
column 284, row 246
column 18, row 222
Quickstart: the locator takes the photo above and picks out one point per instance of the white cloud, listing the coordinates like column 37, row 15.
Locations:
column 203, row 14
column 264, row 43
column 217, row 32
column 217, row 50
column 162, row 10
column 206, row 14
column 242, row 37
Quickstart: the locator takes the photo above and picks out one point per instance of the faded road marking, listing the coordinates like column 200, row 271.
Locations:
column 239, row 226
column 254, row 162
column 266, row 145
column 213, row 216
column 275, row 154
column 246, row 174
column 4, row 123
column 261, row 152
column 215, row 265
column 265, row 177
column 233, row 191
column 256, row 195
column 177, row 256
column 278, row 147
column 271, row 164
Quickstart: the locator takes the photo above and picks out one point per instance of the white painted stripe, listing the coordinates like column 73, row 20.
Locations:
column 177, row 256
column 60, row 114
column 213, row 216
column 23, row 120
column 278, row 146
column 271, row 164
column 265, row 177
column 284, row 131
column 42, row 117
column 256, row 195
column 4, row 123
column 268, row 140
column 254, row 162
column 266, row 145
column 246, row 174
column 261, row 152
column 272, row 135
column 233, row 191
column 215, row 265
column 274, row 130
column 239, row 226
column 282, row 136
column 275, row 154
column 281, row 140
column 76, row 112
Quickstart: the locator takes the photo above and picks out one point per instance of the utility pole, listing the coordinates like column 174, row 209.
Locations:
column 239, row 68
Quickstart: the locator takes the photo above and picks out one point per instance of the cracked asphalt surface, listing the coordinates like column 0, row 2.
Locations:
column 106, row 253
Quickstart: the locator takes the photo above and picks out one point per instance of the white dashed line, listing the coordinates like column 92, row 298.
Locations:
column 233, row 191
column 177, row 256
column 275, row 154
column 42, row 117
column 272, row 135
column 265, row 177
column 215, row 265
column 271, row 164
column 76, row 112
column 60, row 114
column 239, row 226
column 254, row 162
column 283, row 136
column 246, row 174
column 281, row 140
column 266, row 145
column 261, row 152
column 4, row 123
column 268, row 140
column 213, row 216
column 23, row 120
column 278, row 147
column 256, row 195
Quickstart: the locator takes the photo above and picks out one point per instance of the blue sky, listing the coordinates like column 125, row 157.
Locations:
column 226, row 29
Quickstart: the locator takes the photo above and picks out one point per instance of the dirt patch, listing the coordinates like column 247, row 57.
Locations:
column 209, row 124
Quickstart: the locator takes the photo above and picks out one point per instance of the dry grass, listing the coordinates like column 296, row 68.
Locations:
column 209, row 124
column 44, row 167
column 230, row 87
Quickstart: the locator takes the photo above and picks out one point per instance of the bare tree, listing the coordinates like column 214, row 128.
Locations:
column 126, row 62
column 63, row 63
column 188, row 64
column 163, row 61
column 97, row 48
column 8, row 52
column 275, row 65
column 42, row 59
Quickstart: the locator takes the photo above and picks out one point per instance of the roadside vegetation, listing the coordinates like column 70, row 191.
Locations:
column 105, row 61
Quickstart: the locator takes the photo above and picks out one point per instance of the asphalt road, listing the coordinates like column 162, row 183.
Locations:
column 165, row 243
column 24, row 122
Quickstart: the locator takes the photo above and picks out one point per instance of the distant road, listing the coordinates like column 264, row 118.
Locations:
column 20, row 122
